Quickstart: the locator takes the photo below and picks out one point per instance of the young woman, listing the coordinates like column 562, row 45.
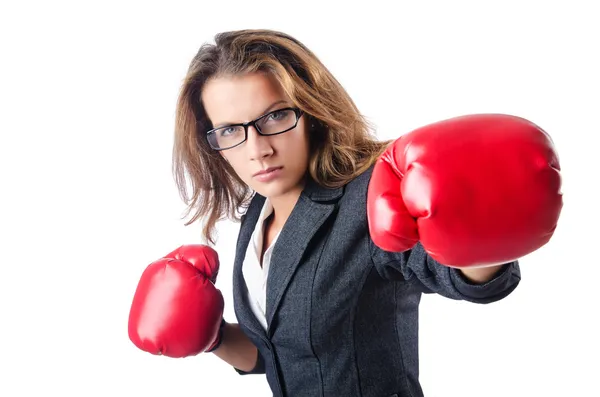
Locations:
column 340, row 233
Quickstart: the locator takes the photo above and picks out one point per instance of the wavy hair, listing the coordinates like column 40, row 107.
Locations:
column 342, row 145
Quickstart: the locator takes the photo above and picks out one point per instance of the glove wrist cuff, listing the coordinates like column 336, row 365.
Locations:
column 219, row 338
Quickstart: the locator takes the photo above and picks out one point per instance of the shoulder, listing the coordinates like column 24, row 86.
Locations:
column 253, row 206
column 356, row 189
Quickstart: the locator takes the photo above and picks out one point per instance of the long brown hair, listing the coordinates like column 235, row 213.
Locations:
column 342, row 145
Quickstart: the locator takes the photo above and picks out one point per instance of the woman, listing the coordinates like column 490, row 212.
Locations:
column 267, row 135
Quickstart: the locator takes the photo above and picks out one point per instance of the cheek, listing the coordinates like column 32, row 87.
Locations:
column 305, row 145
column 301, row 140
column 241, row 169
column 238, row 166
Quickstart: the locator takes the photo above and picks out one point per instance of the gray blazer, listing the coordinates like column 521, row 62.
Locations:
column 342, row 314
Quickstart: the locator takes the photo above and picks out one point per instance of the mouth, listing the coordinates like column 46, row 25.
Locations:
column 267, row 171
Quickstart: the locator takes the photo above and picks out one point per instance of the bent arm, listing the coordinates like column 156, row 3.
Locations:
column 237, row 349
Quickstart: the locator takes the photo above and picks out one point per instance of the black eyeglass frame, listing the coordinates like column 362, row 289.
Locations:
column 252, row 123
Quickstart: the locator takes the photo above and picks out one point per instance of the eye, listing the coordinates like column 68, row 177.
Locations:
column 278, row 115
column 227, row 130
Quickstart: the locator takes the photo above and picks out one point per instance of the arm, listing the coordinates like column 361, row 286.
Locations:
column 453, row 186
column 421, row 270
column 481, row 275
column 448, row 197
column 237, row 350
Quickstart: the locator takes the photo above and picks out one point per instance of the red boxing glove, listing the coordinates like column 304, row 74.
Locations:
column 176, row 309
column 475, row 190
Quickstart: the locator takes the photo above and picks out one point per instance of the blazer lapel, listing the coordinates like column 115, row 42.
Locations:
column 241, row 305
column 314, row 206
column 307, row 217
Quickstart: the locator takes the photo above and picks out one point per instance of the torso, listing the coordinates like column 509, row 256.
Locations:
column 336, row 326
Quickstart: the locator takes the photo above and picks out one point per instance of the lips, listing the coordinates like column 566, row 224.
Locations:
column 266, row 171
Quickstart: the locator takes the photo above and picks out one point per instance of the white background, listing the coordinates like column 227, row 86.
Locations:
column 87, row 100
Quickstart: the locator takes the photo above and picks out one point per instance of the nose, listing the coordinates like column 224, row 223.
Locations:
column 258, row 146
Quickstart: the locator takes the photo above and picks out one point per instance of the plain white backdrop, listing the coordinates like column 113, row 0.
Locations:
column 87, row 100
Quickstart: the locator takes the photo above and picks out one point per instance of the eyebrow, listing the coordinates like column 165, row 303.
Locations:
column 267, row 110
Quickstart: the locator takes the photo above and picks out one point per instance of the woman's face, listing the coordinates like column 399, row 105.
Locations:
column 239, row 99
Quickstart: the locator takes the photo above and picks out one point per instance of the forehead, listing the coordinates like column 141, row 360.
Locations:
column 234, row 99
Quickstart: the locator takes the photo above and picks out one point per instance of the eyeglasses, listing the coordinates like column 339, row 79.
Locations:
column 272, row 123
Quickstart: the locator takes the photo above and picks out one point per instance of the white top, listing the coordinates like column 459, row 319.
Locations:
column 256, row 275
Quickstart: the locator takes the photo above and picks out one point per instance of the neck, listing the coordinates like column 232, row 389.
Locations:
column 283, row 207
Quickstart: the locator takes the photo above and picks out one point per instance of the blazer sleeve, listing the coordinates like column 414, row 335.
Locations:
column 417, row 267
